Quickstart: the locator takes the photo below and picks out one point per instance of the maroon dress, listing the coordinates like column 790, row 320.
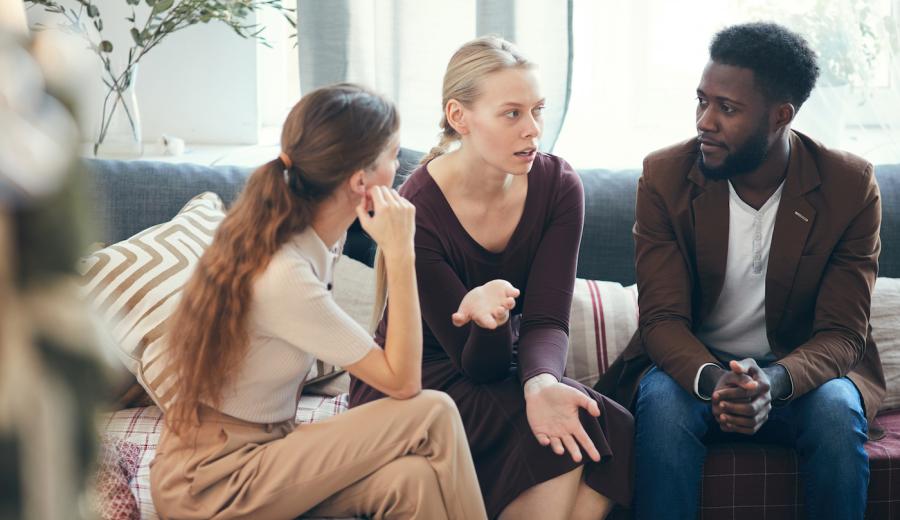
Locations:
column 483, row 370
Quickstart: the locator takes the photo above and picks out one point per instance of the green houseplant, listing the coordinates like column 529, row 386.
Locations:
column 150, row 22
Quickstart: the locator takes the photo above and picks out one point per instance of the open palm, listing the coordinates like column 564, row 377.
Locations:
column 553, row 416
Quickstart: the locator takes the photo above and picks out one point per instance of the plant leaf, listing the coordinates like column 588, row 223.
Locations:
column 161, row 5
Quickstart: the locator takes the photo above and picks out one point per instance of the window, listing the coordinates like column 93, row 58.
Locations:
column 637, row 64
column 278, row 76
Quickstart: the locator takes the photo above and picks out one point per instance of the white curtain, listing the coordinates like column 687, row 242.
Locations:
column 401, row 48
column 620, row 77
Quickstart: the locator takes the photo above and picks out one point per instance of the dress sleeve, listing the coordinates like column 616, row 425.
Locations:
column 481, row 354
column 544, row 333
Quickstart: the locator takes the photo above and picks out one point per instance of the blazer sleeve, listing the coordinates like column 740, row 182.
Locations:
column 664, row 290
column 842, row 306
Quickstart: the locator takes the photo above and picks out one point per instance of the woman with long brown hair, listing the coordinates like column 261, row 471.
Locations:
column 498, row 227
column 258, row 312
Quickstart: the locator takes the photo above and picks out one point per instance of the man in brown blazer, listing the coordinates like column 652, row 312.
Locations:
column 756, row 254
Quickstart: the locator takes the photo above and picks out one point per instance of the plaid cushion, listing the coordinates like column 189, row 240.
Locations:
column 884, row 483
column 763, row 481
column 750, row 481
column 119, row 460
column 138, row 429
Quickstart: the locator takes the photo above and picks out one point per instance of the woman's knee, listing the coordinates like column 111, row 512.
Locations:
column 435, row 403
column 413, row 475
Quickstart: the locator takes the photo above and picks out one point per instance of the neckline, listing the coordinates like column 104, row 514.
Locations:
column 474, row 244
column 773, row 200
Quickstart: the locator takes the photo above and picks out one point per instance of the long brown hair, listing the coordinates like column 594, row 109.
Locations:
column 330, row 133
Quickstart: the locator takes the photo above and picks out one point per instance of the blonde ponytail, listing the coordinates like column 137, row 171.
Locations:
column 380, row 291
column 448, row 136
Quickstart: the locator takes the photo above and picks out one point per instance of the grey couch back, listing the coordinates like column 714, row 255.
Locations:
column 134, row 195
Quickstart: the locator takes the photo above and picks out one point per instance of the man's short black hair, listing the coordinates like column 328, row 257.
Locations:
column 783, row 64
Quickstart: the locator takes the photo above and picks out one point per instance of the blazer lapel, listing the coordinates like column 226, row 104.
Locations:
column 793, row 222
column 711, row 216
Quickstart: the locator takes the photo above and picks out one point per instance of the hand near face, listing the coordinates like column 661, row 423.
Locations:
column 393, row 224
column 742, row 399
column 487, row 305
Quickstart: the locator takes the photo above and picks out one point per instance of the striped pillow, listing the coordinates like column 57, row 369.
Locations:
column 135, row 285
column 603, row 318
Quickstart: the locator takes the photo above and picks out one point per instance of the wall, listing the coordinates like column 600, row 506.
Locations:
column 199, row 84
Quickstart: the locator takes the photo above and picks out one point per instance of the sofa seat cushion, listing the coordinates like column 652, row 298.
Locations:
column 130, row 438
column 763, row 481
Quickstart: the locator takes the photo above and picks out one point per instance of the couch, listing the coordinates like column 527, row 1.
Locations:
column 745, row 480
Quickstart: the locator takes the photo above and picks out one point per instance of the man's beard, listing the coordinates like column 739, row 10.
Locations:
column 743, row 160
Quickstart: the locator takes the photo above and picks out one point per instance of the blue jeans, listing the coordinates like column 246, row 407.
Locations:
column 827, row 427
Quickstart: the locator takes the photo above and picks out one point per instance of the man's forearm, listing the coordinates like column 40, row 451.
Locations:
column 709, row 378
column 780, row 381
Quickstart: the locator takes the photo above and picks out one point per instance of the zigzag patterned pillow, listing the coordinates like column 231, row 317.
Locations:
column 135, row 285
column 603, row 318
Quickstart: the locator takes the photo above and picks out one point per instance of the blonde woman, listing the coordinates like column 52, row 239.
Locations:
column 498, row 226
column 259, row 310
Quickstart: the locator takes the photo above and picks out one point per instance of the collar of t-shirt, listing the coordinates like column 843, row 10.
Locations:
column 320, row 256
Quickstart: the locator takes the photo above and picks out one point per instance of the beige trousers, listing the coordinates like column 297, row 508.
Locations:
column 387, row 459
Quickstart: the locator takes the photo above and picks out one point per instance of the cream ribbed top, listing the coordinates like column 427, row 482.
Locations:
column 293, row 320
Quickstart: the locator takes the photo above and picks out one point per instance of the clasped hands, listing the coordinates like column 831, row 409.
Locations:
column 550, row 406
column 742, row 398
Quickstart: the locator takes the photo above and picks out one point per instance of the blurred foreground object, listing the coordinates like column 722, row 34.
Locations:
column 12, row 17
column 52, row 373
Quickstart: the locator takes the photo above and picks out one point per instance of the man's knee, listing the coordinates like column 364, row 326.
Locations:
column 663, row 404
column 833, row 415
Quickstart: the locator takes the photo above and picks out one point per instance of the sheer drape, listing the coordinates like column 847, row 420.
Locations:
column 401, row 48
column 637, row 65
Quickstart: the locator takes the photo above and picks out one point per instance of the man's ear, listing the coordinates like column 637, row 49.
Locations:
column 456, row 116
column 784, row 114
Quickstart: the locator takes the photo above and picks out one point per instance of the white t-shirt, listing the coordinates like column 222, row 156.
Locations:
column 293, row 320
column 737, row 323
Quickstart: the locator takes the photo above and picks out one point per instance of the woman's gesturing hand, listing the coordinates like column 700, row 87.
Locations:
column 552, row 411
column 487, row 305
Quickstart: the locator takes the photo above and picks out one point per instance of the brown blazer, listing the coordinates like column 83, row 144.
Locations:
column 822, row 266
